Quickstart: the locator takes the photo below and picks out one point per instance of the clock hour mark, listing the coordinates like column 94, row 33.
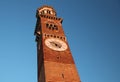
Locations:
column 58, row 57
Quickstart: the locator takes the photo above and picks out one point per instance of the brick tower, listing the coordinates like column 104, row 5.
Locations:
column 55, row 61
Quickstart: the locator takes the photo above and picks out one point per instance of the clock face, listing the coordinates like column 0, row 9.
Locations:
column 56, row 44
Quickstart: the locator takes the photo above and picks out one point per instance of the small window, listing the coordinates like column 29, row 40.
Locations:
column 50, row 27
column 62, row 75
column 47, row 25
column 57, row 36
column 51, row 35
column 47, row 35
column 58, row 57
column 54, row 36
column 64, row 38
column 48, row 11
column 49, row 17
column 55, row 26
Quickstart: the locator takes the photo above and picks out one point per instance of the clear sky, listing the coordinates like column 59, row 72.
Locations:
column 92, row 28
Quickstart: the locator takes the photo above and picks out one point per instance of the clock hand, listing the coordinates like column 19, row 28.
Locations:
column 56, row 45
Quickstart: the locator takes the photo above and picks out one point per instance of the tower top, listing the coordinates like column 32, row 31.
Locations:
column 46, row 10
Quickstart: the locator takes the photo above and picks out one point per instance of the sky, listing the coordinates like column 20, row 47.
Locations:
column 92, row 28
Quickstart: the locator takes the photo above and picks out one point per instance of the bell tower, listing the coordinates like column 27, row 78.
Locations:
column 55, row 61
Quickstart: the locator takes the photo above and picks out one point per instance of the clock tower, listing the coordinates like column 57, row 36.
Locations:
column 55, row 61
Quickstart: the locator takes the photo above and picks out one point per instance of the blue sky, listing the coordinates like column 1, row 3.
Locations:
column 92, row 28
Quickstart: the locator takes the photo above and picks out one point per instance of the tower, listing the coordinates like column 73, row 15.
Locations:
column 55, row 61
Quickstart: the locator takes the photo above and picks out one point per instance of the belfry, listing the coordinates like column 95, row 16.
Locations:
column 54, row 58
